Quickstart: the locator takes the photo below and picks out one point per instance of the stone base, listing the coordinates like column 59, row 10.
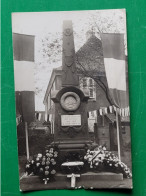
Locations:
column 102, row 176
column 89, row 180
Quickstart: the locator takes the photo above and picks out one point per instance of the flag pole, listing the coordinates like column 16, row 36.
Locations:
column 118, row 135
column 27, row 145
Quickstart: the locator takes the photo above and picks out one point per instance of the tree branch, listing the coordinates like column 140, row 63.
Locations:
column 99, row 82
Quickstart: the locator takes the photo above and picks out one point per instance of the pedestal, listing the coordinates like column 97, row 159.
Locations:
column 87, row 180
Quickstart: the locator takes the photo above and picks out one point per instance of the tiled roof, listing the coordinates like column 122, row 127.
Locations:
column 90, row 56
column 111, row 117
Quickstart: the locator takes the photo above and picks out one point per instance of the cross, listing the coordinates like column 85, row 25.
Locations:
column 73, row 179
column 46, row 180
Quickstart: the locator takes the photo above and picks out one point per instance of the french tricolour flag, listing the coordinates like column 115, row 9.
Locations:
column 115, row 67
column 23, row 52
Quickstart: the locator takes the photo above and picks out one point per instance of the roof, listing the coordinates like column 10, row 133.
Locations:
column 111, row 117
column 55, row 71
column 124, row 120
column 90, row 55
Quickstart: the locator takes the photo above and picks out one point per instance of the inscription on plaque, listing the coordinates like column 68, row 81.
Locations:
column 70, row 120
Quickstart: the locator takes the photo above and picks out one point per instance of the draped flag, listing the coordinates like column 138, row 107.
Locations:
column 115, row 68
column 23, row 52
column 23, row 47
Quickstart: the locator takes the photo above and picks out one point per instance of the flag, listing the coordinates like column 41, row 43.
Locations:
column 110, row 109
column 50, row 117
column 46, row 117
column 115, row 67
column 23, row 52
column 100, row 112
column 28, row 107
column 23, row 47
column 105, row 110
column 24, row 75
column 40, row 115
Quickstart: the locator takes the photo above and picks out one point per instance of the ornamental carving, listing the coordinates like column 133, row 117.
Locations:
column 70, row 101
column 68, row 31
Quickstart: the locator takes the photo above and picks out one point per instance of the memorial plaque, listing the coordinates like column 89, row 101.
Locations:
column 71, row 120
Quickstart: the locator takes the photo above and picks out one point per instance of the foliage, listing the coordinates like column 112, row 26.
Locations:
column 51, row 47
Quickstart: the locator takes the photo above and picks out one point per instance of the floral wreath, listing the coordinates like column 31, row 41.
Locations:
column 43, row 165
column 100, row 159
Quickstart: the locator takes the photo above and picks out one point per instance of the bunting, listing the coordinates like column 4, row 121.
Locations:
column 109, row 110
column 18, row 120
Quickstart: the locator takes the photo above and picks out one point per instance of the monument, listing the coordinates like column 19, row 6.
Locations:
column 70, row 126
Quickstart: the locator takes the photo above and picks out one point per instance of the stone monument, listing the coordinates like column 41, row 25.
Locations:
column 70, row 126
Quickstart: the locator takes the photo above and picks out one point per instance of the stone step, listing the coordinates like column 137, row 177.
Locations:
column 87, row 180
column 102, row 176
column 105, row 176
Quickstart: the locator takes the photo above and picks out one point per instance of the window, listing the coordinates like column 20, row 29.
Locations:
column 88, row 83
column 84, row 82
column 91, row 92
column 49, row 102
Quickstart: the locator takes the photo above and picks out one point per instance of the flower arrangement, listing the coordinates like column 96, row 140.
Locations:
column 101, row 159
column 43, row 165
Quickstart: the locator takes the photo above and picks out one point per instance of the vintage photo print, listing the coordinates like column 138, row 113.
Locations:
column 72, row 99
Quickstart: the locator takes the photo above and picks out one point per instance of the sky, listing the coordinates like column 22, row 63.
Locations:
column 40, row 24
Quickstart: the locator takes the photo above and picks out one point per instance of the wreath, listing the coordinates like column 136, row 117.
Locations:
column 100, row 159
column 43, row 165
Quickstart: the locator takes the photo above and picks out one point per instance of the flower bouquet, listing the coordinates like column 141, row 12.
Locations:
column 100, row 159
column 43, row 165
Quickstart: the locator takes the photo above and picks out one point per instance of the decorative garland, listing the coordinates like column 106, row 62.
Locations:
column 100, row 160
